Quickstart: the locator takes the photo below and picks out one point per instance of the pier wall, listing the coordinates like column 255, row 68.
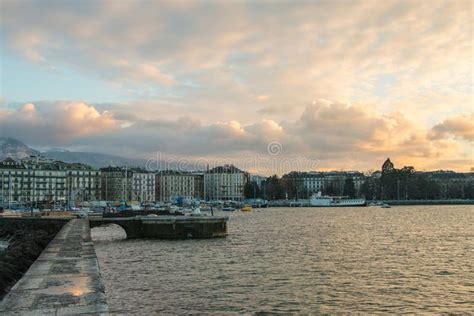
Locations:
column 168, row 227
column 64, row 280
column 25, row 240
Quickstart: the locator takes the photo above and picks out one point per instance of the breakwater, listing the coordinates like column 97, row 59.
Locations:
column 65, row 279
column 24, row 240
column 169, row 227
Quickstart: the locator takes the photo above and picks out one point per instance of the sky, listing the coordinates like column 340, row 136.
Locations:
column 268, row 85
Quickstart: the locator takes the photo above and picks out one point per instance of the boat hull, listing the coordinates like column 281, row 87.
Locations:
column 336, row 202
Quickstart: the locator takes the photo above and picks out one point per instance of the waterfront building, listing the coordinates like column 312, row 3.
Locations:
column 37, row 180
column 172, row 184
column 143, row 185
column 83, row 183
column 30, row 183
column 127, row 184
column 332, row 182
column 225, row 183
column 198, row 184
column 258, row 180
column 451, row 184
column 388, row 166
column 116, row 184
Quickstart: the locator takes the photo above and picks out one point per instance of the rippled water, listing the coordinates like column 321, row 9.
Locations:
column 3, row 245
column 403, row 259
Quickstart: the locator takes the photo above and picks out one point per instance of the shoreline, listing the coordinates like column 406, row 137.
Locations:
column 376, row 203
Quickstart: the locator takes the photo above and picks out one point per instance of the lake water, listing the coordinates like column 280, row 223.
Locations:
column 416, row 259
column 3, row 245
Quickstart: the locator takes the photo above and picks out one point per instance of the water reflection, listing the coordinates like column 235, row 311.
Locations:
column 76, row 286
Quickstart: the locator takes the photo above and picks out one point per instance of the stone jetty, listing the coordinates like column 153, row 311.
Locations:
column 64, row 280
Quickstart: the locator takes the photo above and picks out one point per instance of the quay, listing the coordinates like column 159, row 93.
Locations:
column 65, row 279
column 168, row 227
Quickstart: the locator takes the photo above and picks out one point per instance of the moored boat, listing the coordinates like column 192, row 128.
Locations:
column 246, row 208
column 334, row 201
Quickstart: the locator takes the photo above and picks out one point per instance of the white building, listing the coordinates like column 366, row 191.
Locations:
column 28, row 184
column 82, row 182
column 171, row 184
column 225, row 183
column 143, row 185
column 313, row 182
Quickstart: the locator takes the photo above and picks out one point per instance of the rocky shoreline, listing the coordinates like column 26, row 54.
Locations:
column 26, row 241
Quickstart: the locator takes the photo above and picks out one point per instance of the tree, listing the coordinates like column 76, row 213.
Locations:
column 248, row 190
column 469, row 190
column 293, row 186
column 455, row 191
column 349, row 187
column 251, row 190
column 274, row 188
column 406, row 176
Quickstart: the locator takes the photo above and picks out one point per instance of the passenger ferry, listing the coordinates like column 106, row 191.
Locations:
column 334, row 201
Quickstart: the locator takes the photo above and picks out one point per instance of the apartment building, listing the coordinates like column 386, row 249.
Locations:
column 27, row 183
column 127, row 184
column 171, row 184
column 225, row 183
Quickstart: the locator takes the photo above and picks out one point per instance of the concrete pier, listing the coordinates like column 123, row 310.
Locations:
column 64, row 280
column 169, row 227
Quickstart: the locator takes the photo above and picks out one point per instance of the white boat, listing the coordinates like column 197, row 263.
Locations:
column 334, row 201
column 206, row 208
column 385, row 205
column 173, row 209
column 196, row 212
column 10, row 213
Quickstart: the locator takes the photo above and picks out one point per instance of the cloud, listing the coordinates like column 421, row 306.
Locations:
column 226, row 78
column 461, row 127
column 48, row 123
column 239, row 53
column 336, row 134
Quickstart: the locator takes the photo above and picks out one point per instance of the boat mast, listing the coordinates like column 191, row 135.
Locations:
column 10, row 191
column 161, row 184
column 204, row 185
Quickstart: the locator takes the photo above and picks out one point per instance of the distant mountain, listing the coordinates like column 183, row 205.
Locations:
column 95, row 160
column 13, row 148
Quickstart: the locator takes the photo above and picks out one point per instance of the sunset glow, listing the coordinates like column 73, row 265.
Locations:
column 348, row 83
